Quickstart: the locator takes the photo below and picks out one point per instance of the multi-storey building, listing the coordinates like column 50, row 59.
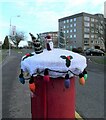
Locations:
column 105, row 9
column 0, row 44
column 105, row 33
column 54, row 37
column 83, row 30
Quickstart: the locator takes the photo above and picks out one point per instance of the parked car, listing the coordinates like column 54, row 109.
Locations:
column 95, row 52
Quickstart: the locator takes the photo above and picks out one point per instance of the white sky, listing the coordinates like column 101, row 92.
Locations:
column 37, row 16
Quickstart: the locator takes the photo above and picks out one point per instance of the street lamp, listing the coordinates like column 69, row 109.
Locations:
column 10, row 32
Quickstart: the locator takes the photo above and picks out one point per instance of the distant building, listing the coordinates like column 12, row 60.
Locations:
column 82, row 30
column 54, row 37
column 105, row 9
column 105, row 31
column 105, row 18
column 0, row 44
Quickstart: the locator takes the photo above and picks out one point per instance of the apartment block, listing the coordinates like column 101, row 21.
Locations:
column 83, row 30
column 0, row 44
column 105, row 9
column 54, row 37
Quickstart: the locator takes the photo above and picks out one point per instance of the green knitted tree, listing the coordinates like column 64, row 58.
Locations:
column 62, row 42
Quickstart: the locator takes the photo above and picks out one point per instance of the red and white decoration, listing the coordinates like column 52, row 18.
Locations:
column 49, row 42
column 53, row 61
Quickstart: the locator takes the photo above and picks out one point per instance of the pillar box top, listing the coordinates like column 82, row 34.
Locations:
column 57, row 61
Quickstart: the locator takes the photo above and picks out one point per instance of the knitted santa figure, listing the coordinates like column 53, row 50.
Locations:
column 37, row 45
column 49, row 43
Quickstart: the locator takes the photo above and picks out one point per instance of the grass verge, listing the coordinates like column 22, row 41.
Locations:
column 99, row 60
column 0, row 56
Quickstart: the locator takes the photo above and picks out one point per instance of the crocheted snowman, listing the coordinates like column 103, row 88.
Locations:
column 49, row 43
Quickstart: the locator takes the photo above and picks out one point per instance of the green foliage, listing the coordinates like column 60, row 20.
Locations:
column 6, row 43
column 62, row 43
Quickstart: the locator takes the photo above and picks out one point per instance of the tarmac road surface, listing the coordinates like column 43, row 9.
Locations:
column 15, row 96
column 90, row 98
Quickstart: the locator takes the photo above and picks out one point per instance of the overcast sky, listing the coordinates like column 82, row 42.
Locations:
column 37, row 16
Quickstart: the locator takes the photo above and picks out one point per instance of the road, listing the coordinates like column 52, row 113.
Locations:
column 16, row 97
column 90, row 98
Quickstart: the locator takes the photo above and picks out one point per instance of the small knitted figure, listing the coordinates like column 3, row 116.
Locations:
column 49, row 43
column 37, row 45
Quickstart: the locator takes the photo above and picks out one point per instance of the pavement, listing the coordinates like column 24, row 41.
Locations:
column 16, row 97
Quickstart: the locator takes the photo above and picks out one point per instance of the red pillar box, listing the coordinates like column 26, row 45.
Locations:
column 52, row 99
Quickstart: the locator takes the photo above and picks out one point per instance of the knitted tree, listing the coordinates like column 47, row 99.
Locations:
column 37, row 45
column 62, row 42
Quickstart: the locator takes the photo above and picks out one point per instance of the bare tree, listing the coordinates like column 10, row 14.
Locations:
column 17, row 38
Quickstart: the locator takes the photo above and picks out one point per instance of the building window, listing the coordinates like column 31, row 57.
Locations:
column 96, row 26
column 71, row 20
column 67, row 21
column 67, row 26
column 92, row 41
column 64, row 21
column 74, row 36
column 92, row 30
column 101, row 32
column 96, row 31
column 86, row 24
column 74, row 24
column 96, row 20
column 87, row 18
column 74, row 30
column 101, row 22
column 86, row 35
column 92, row 19
column 71, row 25
column 86, row 30
column 92, row 25
column 67, row 31
column 70, row 36
column 100, row 15
column 71, row 30
column 74, row 19
column 64, row 26
column 99, row 38
column 96, row 36
column 92, row 36
column 101, row 27
column 86, row 42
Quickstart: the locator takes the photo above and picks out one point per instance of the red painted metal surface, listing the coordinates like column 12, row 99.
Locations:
column 52, row 99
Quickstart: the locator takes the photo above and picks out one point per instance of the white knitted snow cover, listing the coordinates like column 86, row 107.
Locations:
column 53, row 61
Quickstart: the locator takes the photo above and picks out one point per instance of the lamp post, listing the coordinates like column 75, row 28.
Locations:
column 10, row 33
